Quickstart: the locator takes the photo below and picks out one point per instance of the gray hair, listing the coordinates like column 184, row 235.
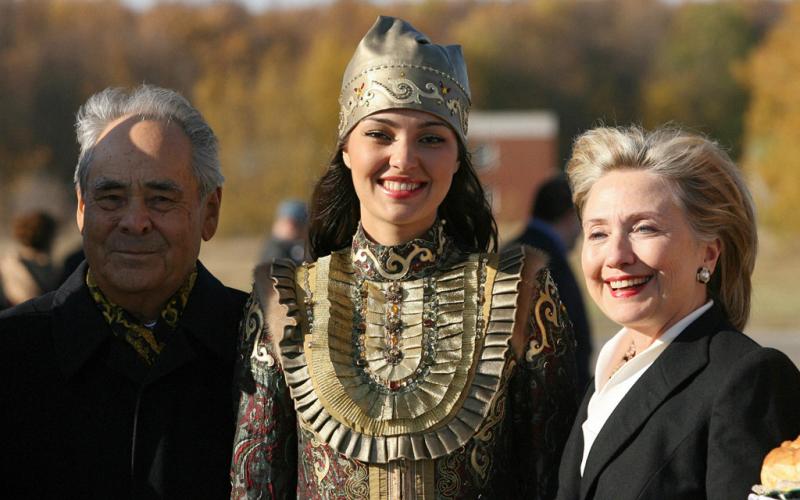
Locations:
column 148, row 102
column 706, row 183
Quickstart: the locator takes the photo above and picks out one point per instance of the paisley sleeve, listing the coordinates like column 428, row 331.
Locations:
column 264, row 463
column 542, row 391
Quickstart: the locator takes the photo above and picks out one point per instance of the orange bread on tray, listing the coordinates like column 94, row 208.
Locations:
column 781, row 468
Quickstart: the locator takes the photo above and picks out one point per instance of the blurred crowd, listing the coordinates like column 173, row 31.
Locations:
column 28, row 270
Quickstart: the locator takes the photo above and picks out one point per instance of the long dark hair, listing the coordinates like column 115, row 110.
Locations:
column 335, row 209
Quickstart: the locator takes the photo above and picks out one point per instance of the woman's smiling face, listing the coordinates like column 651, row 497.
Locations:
column 402, row 162
column 640, row 257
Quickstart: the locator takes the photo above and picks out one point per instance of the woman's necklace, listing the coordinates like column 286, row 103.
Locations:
column 390, row 299
column 630, row 353
column 627, row 356
column 393, row 327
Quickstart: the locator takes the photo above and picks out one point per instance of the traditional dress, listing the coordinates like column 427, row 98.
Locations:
column 413, row 371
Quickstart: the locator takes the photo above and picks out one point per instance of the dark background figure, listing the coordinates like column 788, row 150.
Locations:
column 554, row 229
column 288, row 235
column 118, row 384
column 28, row 270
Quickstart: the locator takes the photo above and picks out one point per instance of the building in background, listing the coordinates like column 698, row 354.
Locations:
column 514, row 152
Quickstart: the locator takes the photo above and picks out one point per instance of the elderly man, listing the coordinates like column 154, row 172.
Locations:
column 118, row 384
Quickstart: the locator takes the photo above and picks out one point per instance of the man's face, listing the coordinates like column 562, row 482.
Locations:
column 141, row 216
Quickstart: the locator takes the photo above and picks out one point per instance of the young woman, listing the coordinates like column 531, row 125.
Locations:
column 406, row 361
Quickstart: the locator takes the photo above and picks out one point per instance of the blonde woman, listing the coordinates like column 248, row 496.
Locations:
column 683, row 405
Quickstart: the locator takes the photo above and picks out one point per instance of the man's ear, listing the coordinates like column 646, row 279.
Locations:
column 211, row 208
column 81, row 208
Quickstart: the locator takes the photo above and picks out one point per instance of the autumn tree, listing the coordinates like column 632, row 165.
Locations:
column 584, row 60
column 268, row 82
column 694, row 81
column 772, row 143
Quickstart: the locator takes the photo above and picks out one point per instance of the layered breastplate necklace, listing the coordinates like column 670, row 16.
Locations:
column 382, row 344
column 395, row 308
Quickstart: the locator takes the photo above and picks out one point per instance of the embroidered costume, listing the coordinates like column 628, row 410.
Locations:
column 414, row 371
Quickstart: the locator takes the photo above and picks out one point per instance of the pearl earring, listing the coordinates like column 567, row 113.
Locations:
column 704, row 275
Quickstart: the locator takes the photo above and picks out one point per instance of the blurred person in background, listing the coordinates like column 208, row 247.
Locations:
column 683, row 404
column 287, row 239
column 409, row 360
column 28, row 270
column 118, row 384
column 554, row 228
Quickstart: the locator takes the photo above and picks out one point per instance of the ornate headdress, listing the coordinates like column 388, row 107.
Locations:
column 396, row 66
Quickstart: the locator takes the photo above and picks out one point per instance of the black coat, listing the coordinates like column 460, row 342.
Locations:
column 571, row 297
column 697, row 424
column 81, row 418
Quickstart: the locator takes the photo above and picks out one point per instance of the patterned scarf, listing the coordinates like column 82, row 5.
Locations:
column 147, row 342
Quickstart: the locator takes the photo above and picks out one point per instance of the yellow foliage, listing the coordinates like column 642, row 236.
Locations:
column 268, row 82
column 772, row 154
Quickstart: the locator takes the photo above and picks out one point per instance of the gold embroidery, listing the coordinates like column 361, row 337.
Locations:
column 401, row 90
column 356, row 485
column 545, row 309
column 322, row 462
column 481, row 455
column 254, row 325
column 397, row 266
column 449, row 481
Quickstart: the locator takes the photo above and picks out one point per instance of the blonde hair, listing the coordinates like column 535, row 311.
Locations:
column 706, row 183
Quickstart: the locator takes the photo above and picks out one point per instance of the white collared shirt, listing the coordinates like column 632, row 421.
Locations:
column 610, row 387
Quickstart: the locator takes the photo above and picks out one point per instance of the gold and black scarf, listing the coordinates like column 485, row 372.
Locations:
column 147, row 342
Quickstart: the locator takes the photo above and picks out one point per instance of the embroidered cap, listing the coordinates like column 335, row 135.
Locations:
column 396, row 66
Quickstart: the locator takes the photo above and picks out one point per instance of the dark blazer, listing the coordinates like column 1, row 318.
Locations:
column 696, row 425
column 571, row 297
column 81, row 418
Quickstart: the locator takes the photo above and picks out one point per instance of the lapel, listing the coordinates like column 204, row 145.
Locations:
column 685, row 356
column 78, row 327
column 206, row 326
